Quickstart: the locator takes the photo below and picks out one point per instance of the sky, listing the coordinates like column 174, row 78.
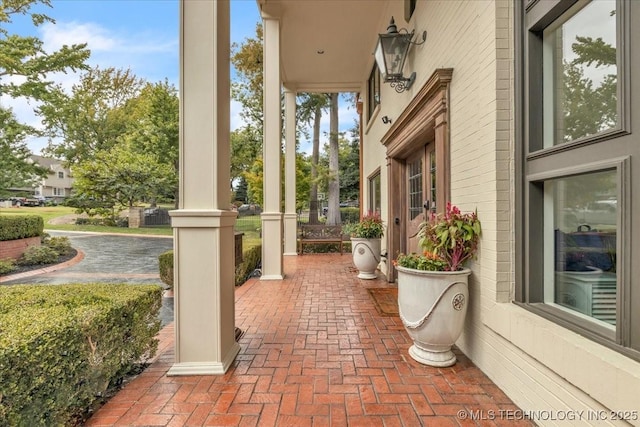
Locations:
column 138, row 34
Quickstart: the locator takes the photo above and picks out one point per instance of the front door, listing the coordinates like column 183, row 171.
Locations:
column 421, row 192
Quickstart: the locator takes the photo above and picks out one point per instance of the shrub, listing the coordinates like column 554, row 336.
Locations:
column 165, row 263
column 7, row 265
column 61, row 245
column 89, row 221
column 13, row 227
column 250, row 260
column 62, row 346
column 36, row 255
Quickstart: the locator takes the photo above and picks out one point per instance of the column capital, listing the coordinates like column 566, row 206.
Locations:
column 270, row 11
column 290, row 88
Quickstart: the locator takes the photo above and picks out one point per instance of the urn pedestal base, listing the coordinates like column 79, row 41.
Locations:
column 439, row 359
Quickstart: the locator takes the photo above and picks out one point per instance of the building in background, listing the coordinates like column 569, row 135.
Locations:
column 57, row 185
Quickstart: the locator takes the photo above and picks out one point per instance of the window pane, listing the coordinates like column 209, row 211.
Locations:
column 580, row 245
column 415, row 188
column 580, row 70
column 432, row 171
column 374, row 194
column 373, row 95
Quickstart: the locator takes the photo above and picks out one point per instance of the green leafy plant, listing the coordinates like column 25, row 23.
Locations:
column 425, row 262
column 7, row 265
column 369, row 227
column 36, row 255
column 61, row 245
column 448, row 240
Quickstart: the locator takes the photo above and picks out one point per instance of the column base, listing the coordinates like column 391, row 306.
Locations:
column 205, row 368
column 272, row 277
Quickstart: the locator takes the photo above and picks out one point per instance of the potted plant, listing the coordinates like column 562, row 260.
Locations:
column 433, row 286
column 365, row 244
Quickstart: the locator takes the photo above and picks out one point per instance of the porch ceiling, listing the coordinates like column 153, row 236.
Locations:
column 345, row 30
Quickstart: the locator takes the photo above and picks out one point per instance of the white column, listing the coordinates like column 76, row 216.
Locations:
column 290, row 217
column 272, row 248
column 204, row 304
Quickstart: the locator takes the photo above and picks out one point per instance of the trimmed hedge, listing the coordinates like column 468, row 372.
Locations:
column 13, row 227
column 250, row 260
column 62, row 346
column 165, row 262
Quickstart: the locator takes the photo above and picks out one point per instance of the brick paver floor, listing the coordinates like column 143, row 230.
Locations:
column 315, row 352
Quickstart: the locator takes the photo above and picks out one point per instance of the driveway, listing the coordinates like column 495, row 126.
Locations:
column 111, row 258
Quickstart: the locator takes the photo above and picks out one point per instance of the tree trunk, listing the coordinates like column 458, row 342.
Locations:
column 333, row 213
column 315, row 156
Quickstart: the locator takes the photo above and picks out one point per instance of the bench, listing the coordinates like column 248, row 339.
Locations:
column 320, row 234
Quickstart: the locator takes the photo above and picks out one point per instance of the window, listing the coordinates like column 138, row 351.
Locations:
column 576, row 151
column 374, row 192
column 373, row 93
column 58, row 191
column 414, row 185
column 60, row 175
column 580, row 73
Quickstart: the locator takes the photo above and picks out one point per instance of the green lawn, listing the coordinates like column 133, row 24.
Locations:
column 50, row 212
column 248, row 225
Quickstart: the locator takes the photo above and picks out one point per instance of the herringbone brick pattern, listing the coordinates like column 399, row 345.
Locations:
column 315, row 352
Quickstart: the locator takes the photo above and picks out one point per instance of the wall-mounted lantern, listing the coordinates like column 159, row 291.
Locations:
column 391, row 52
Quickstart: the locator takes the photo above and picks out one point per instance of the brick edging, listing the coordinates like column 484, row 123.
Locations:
column 76, row 259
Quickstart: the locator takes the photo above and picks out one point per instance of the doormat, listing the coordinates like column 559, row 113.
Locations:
column 385, row 300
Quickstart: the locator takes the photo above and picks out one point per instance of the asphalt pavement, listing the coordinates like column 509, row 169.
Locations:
column 112, row 259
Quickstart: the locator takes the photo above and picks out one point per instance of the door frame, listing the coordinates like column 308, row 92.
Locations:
column 425, row 119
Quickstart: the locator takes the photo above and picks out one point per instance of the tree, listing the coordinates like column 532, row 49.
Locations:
column 247, row 87
column 94, row 117
column 246, row 147
column 24, row 59
column 242, row 190
column 16, row 168
column 589, row 103
column 303, row 180
column 120, row 177
column 333, row 213
column 154, row 127
column 310, row 110
column 350, row 166
column 255, row 179
column 25, row 72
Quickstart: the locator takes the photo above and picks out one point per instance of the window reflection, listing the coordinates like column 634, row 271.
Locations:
column 583, row 210
column 580, row 73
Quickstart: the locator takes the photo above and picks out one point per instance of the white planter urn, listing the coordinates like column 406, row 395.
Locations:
column 433, row 306
column 366, row 256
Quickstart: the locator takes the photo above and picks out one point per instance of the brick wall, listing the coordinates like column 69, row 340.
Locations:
column 15, row 248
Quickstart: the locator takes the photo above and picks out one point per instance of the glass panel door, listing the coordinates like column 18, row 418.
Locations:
column 421, row 172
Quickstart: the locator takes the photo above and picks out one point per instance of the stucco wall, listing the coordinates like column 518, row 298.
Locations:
column 540, row 365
